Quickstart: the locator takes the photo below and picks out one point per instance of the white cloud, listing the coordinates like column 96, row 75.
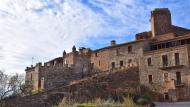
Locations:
column 26, row 33
column 123, row 17
column 44, row 28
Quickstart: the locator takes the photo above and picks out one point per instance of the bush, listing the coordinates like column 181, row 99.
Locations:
column 143, row 98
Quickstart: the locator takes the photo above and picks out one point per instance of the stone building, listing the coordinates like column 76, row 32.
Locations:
column 165, row 67
column 60, row 71
column 161, row 55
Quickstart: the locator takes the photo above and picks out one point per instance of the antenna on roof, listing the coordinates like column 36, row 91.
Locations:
column 32, row 60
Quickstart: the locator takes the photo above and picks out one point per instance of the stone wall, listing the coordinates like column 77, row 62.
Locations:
column 32, row 76
column 103, row 85
column 59, row 71
column 106, row 85
column 102, row 59
column 164, row 37
column 60, row 76
column 159, row 82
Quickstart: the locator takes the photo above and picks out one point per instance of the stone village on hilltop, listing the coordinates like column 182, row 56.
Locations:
column 160, row 58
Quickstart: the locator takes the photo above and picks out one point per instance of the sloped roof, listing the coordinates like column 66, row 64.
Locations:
column 180, row 31
column 118, row 45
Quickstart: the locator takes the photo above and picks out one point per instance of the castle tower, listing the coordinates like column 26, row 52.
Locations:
column 161, row 21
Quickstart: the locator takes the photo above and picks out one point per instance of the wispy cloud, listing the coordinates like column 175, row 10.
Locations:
column 44, row 28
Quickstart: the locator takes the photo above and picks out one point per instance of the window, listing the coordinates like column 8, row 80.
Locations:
column 188, row 41
column 150, row 78
column 165, row 76
column 129, row 61
column 165, row 60
column 170, row 44
column 42, row 83
column 159, row 46
column 177, row 62
column 129, row 49
column 167, row 45
column 53, row 63
column 149, row 60
column 113, row 64
column 121, row 63
column 178, row 78
column 163, row 45
column 166, row 96
column 92, row 64
column 183, row 42
column 153, row 47
column 117, row 51
column 31, row 77
column 96, row 54
column 99, row 63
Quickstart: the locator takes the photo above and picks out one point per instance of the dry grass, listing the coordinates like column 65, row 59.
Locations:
column 128, row 102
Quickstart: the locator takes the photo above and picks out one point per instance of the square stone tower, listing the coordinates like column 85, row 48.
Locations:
column 161, row 21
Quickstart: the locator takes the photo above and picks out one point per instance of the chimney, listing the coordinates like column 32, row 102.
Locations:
column 39, row 64
column 113, row 43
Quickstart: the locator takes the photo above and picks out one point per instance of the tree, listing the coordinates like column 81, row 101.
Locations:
column 10, row 85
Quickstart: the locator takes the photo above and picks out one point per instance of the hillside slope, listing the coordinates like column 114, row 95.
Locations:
column 103, row 85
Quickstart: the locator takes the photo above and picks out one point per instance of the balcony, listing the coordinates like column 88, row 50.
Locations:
column 179, row 84
column 171, row 67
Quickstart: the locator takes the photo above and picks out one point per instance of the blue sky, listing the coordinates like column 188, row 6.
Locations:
column 44, row 28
